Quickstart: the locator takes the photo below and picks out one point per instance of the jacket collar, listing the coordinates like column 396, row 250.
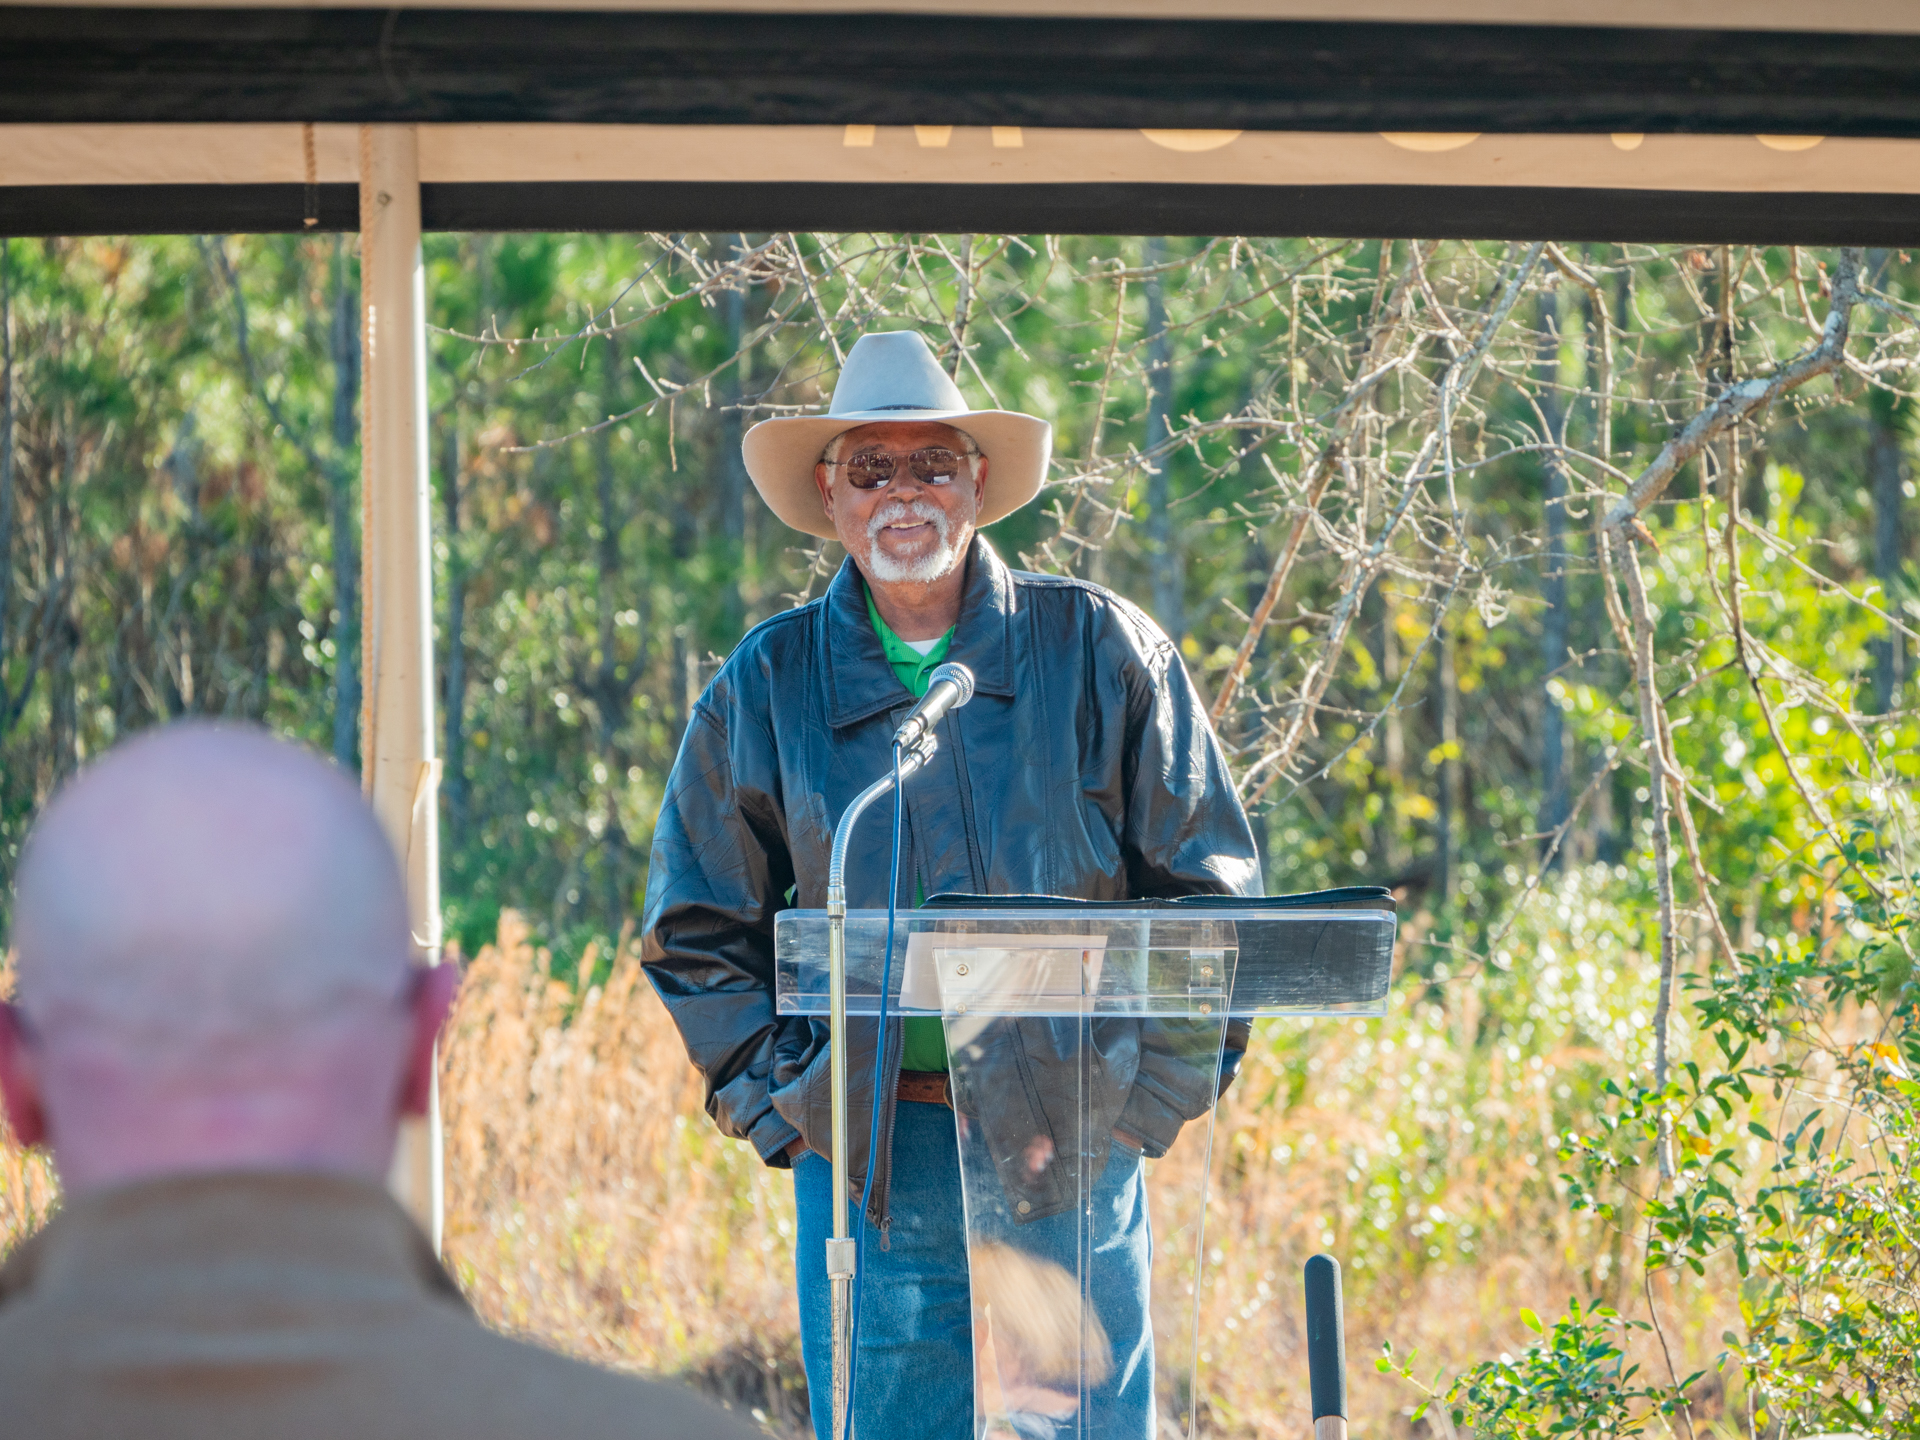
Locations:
column 244, row 1229
column 859, row 681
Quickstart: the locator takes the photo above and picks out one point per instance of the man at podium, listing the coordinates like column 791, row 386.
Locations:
column 1084, row 767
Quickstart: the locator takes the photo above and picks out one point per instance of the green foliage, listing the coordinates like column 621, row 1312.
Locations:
column 1793, row 1134
column 1818, row 1223
column 178, row 538
column 1575, row 1381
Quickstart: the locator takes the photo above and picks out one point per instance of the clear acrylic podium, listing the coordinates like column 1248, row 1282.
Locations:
column 1076, row 1032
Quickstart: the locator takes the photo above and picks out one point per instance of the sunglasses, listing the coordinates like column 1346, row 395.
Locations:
column 934, row 465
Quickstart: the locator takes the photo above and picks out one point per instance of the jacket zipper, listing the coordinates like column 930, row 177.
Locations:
column 889, row 1105
column 896, row 1034
column 881, row 1161
column 964, row 783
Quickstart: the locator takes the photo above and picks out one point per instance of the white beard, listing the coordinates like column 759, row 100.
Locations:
column 930, row 566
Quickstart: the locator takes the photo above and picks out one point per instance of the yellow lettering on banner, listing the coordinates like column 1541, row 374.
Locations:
column 1191, row 141
column 1428, row 142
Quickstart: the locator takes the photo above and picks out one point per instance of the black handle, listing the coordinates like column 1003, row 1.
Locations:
column 1326, row 1338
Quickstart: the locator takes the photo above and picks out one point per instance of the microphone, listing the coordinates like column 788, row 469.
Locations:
column 1326, row 1349
column 952, row 687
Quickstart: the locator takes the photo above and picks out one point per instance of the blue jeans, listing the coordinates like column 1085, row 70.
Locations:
column 915, row 1374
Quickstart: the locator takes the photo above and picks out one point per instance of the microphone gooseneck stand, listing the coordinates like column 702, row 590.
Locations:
column 916, row 743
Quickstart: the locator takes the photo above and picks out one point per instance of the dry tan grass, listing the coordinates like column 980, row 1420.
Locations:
column 589, row 1202
column 27, row 1187
column 592, row 1206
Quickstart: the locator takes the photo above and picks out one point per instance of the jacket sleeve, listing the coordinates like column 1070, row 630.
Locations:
column 718, row 871
column 1186, row 834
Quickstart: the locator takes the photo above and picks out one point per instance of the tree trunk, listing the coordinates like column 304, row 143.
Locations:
column 63, row 720
column 344, row 515
column 453, row 782
column 681, row 691
column 1886, row 465
column 1163, row 544
column 1446, row 855
column 1394, row 741
column 613, row 684
column 732, row 467
column 7, row 702
column 1555, row 800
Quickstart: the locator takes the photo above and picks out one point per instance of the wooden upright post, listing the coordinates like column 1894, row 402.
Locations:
column 398, row 765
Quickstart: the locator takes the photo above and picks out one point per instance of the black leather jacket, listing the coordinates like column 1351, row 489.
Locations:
column 1084, row 767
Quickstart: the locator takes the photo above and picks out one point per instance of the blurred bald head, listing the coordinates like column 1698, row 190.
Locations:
column 213, row 967
column 206, row 885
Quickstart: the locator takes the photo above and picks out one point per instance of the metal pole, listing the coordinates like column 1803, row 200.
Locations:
column 398, row 766
column 840, row 1247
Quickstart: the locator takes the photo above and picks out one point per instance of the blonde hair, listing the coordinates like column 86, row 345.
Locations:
column 1036, row 1319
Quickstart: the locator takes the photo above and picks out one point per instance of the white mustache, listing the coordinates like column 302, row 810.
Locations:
column 895, row 511
column 936, row 562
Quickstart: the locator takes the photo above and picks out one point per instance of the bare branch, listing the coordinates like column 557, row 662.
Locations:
column 1740, row 400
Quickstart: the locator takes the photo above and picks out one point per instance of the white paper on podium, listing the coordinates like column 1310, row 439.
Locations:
column 1025, row 974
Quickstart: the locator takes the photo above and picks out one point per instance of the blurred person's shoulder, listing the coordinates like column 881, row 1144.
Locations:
column 287, row 1308
column 510, row 1387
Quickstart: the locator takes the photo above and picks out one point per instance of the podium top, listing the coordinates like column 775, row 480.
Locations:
column 1325, row 953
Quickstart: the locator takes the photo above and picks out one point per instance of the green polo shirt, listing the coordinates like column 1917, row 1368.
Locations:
column 925, row 1037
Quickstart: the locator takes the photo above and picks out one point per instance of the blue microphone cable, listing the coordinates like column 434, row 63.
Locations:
column 873, row 1125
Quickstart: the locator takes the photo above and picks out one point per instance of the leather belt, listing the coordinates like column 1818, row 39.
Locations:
column 928, row 1087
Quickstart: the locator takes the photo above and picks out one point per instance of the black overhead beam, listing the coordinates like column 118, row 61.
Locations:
column 36, row 210
column 136, row 64
column 1392, row 211
column 1434, row 212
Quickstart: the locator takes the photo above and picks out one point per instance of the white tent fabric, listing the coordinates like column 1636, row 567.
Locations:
column 960, row 155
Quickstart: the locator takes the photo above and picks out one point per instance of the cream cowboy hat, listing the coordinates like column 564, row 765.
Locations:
column 893, row 376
